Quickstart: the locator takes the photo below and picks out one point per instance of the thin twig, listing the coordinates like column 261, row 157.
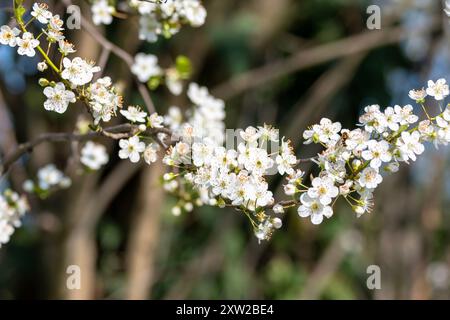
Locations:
column 122, row 131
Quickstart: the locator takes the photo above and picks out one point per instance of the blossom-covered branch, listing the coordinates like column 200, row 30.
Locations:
column 200, row 169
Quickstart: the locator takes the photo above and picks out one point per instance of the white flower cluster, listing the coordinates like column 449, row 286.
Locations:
column 217, row 176
column 156, row 17
column 75, row 73
column 208, row 114
column 27, row 43
column 103, row 99
column 235, row 177
column 145, row 67
column 132, row 148
column 12, row 208
column 352, row 160
column 48, row 178
column 166, row 17
column 94, row 155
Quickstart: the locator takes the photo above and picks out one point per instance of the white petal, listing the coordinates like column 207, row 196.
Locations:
column 316, row 218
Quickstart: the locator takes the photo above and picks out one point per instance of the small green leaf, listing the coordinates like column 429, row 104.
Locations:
column 19, row 11
column 166, row 30
column 154, row 82
column 184, row 67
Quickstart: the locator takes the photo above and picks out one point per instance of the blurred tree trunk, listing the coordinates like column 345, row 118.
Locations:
column 77, row 242
column 400, row 243
column 144, row 234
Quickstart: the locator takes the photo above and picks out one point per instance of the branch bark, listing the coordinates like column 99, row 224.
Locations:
column 306, row 59
column 118, row 132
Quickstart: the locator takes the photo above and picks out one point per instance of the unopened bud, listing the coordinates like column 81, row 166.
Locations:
column 43, row 82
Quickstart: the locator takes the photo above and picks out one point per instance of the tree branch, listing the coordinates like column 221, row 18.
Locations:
column 308, row 58
column 118, row 132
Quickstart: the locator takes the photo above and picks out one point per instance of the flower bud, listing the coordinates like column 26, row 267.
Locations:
column 43, row 82
column 289, row 189
column 356, row 164
column 176, row 211
column 359, row 210
column 277, row 223
column 188, row 206
column 42, row 66
column 278, row 208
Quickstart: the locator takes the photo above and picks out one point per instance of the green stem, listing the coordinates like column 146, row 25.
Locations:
column 31, row 20
column 425, row 110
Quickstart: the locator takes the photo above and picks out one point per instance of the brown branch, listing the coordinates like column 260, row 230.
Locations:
column 327, row 265
column 122, row 131
column 308, row 58
column 319, row 96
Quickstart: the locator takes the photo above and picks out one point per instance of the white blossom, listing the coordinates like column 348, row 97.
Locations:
column 134, row 114
column 65, row 47
column 41, row 13
column 94, row 155
column 370, row 178
column 145, row 66
column 194, row 12
column 439, row 89
column 8, row 36
column 78, row 71
column 102, row 12
column 12, row 208
column 55, row 23
column 312, row 207
column 377, row 153
column 27, row 44
column 323, row 189
column 131, row 148
column 392, row 118
column 418, row 95
column 151, row 153
column 58, row 98
column 155, row 120
column 326, row 132
column 149, row 28
column 410, row 146
column 278, row 208
column 42, row 66
column 406, row 114
column 103, row 99
column 49, row 177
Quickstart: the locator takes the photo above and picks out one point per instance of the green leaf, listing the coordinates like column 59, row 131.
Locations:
column 154, row 82
column 166, row 27
column 19, row 10
column 184, row 67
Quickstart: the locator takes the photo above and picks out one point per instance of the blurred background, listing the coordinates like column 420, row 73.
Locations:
column 284, row 62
